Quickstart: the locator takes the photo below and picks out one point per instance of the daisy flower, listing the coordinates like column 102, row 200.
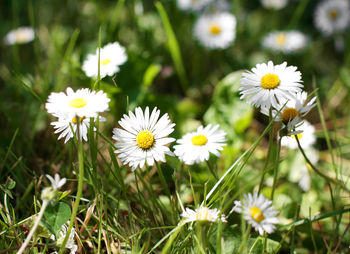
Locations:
column 49, row 194
column 306, row 137
column 82, row 103
column 274, row 4
column 267, row 84
column 215, row 31
column 217, row 7
column 258, row 211
column 332, row 16
column 285, row 41
column 20, row 35
column 56, row 182
column 111, row 57
column 203, row 214
column 143, row 138
column 192, row 5
column 61, row 236
column 195, row 146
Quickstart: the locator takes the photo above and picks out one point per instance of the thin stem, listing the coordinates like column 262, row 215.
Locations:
column 276, row 168
column 336, row 182
column 80, row 187
column 244, row 240
column 32, row 231
column 212, row 170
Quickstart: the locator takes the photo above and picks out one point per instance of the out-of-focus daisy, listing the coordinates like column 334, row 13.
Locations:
column 217, row 7
column 111, row 57
column 49, row 194
column 215, row 31
column 332, row 16
column 20, row 35
column 285, row 41
column 62, row 234
column 192, row 5
column 196, row 146
column 274, row 4
column 306, row 138
column 268, row 84
column 82, row 103
column 293, row 109
column 143, row 138
column 56, row 182
column 203, row 214
column 258, row 211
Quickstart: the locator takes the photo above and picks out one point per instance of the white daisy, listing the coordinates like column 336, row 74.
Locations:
column 195, row 146
column 306, row 138
column 68, row 127
column 111, row 57
column 217, row 7
column 62, row 235
column 274, row 4
column 285, row 41
column 267, row 84
column 203, row 214
column 20, row 35
column 215, row 31
column 258, row 211
column 143, row 138
column 82, row 103
column 56, row 182
column 332, row 16
column 192, row 5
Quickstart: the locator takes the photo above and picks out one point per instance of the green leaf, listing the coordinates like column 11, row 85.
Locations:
column 55, row 216
column 10, row 184
column 150, row 73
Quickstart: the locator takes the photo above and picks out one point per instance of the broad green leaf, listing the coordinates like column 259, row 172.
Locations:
column 55, row 216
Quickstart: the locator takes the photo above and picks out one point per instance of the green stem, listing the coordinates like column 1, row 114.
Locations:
column 80, row 187
column 276, row 168
column 212, row 170
column 244, row 240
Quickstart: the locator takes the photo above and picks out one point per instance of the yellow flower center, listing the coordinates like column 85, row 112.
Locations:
column 300, row 135
column 281, row 39
column 145, row 139
column 21, row 37
column 270, row 81
column 105, row 61
column 333, row 14
column 74, row 120
column 256, row 214
column 289, row 114
column 199, row 140
column 214, row 30
column 203, row 214
column 78, row 103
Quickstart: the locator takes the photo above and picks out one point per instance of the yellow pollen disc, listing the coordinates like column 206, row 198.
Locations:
column 289, row 114
column 21, row 37
column 281, row 39
column 105, row 61
column 300, row 135
column 333, row 14
column 199, row 140
column 74, row 120
column 203, row 214
column 270, row 81
column 214, row 29
column 78, row 103
column 256, row 214
column 144, row 139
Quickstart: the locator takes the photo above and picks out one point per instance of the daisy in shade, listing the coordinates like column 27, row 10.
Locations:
column 274, row 4
column 306, row 137
column 293, row 111
column 111, row 57
column 203, row 214
column 217, row 7
column 143, row 138
column 258, row 211
column 192, row 5
column 62, row 235
column 285, row 41
column 20, row 35
column 332, row 16
column 268, row 84
column 196, row 146
column 215, row 31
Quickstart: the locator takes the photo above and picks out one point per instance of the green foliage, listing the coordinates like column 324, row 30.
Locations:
column 55, row 216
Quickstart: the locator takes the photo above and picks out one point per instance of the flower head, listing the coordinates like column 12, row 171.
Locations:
column 49, row 193
column 332, row 16
column 196, row 146
column 258, row 211
column 306, row 137
column 216, row 31
column 267, row 85
column 192, row 5
column 20, row 35
column 285, row 41
column 274, row 4
column 62, row 235
column 111, row 57
column 203, row 214
column 143, row 138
